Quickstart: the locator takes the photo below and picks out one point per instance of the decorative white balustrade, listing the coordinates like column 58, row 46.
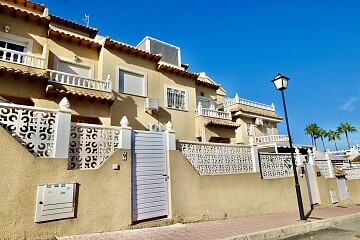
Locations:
column 21, row 58
column 33, row 127
column 353, row 173
column 211, row 112
column 91, row 144
column 237, row 99
column 272, row 138
column 214, row 159
column 275, row 165
column 324, row 168
column 79, row 81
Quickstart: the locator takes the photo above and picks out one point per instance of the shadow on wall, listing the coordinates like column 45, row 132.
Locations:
column 125, row 106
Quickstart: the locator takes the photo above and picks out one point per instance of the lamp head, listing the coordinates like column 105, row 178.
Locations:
column 280, row 81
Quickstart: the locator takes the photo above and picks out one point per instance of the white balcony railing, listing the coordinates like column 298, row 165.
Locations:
column 79, row 81
column 21, row 58
column 237, row 99
column 272, row 138
column 211, row 112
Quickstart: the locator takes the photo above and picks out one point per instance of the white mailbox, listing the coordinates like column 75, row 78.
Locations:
column 55, row 201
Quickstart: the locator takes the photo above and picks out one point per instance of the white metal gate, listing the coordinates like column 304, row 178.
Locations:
column 344, row 195
column 149, row 175
column 312, row 184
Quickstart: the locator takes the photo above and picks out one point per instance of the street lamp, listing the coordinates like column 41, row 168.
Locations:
column 281, row 83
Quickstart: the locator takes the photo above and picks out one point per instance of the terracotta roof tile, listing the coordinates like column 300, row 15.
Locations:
column 83, row 93
column 219, row 122
column 253, row 110
column 176, row 70
column 56, row 32
column 91, row 32
column 131, row 49
column 14, row 9
column 42, row 74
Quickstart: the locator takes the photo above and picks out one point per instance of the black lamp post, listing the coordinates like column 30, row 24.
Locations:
column 281, row 83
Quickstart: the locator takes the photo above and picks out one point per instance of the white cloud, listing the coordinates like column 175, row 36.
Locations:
column 350, row 104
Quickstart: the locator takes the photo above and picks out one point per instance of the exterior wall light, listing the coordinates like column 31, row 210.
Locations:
column 6, row 28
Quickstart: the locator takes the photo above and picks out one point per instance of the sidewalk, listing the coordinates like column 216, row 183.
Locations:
column 273, row 226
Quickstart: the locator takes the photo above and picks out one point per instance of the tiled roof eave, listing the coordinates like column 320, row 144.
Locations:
column 122, row 47
column 53, row 90
column 89, row 30
column 42, row 75
column 208, row 121
column 173, row 70
column 15, row 11
column 67, row 36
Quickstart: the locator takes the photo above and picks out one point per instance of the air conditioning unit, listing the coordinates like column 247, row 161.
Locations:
column 151, row 104
column 155, row 128
column 258, row 121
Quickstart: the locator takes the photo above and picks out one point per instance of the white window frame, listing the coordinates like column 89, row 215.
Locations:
column 58, row 59
column 26, row 42
column 134, row 71
column 250, row 129
column 166, row 87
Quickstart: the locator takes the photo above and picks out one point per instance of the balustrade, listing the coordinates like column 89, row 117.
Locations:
column 237, row 99
column 211, row 112
column 272, row 138
column 79, row 81
column 21, row 58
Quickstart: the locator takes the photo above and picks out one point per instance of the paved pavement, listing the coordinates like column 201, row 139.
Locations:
column 272, row 226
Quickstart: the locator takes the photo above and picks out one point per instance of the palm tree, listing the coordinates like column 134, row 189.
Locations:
column 311, row 129
column 321, row 133
column 332, row 135
column 346, row 128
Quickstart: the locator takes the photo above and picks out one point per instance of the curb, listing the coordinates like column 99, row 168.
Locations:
column 297, row 229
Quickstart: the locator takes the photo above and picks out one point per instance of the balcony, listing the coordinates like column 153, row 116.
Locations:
column 80, row 81
column 21, row 58
column 272, row 138
column 211, row 112
column 237, row 99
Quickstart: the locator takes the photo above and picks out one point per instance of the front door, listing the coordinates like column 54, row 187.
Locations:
column 149, row 176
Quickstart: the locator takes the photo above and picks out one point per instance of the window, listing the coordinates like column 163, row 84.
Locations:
column 132, row 82
column 249, row 129
column 205, row 102
column 176, row 98
column 267, row 130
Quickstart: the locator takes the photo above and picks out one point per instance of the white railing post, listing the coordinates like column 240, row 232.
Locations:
column 108, row 83
column 297, row 157
column 170, row 137
column 310, row 157
column 125, row 134
column 254, row 155
column 63, row 126
column 199, row 109
column 330, row 165
column 237, row 99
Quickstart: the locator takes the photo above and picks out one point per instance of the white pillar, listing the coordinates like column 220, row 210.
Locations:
column 170, row 137
column 125, row 134
column 330, row 165
column 254, row 155
column 63, row 128
column 108, row 83
column 310, row 156
column 298, row 157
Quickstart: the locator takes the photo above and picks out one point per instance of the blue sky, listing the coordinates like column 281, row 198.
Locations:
column 243, row 44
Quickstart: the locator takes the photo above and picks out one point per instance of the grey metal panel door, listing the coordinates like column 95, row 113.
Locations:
column 312, row 184
column 149, row 176
column 344, row 195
